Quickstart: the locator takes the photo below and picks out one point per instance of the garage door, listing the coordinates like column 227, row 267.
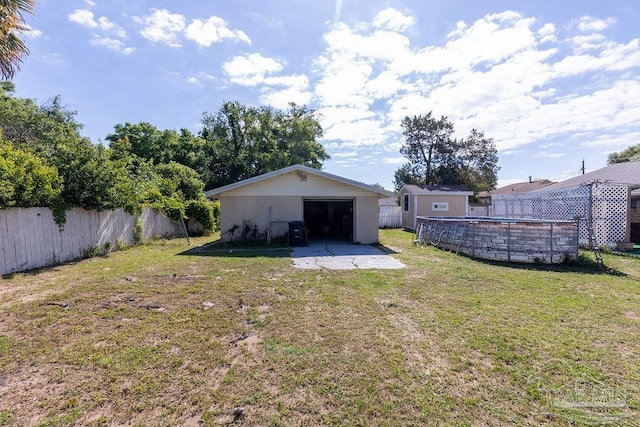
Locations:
column 329, row 219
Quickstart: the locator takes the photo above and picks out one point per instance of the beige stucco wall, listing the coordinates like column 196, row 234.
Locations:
column 240, row 212
column 247, row 207
column 253, row 211
column 366, row 211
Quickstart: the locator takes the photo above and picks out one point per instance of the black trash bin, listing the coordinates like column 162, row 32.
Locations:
column 297, row 234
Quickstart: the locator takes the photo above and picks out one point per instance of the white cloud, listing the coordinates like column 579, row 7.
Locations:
column 162, row 26
column 166, row 27
column 358, row 133
column 83, row 17
column 585, row 43
column 90, row 3
column 398, row 160
column 547, row 33
column 112, row 44
column 199, row 79
column 107, row 34
column 54, row 58
column 213, row 30
column 282, row 98
column 31, row 33
column 345, row 154
column 277, row 90
column 86, row 18
column 110, row 27
column 589, row 23
column 392, row 19
column 194, row 81
column 251, row 70
column 506, row 74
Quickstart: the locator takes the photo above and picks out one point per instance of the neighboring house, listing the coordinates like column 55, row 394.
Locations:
column 478, row 209
column 603, row 199
column 432, row 200
column 331, row 206
column 634, row 217
column 519, row 187
column 390, row 213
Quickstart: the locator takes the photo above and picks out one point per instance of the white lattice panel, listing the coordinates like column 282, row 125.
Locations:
column 608, row 210
column 610, row 213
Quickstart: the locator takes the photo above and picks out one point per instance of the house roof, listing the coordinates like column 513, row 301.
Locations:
column 519, row 187
column 436, row 189
column 300, row 168
column 627, row 173
column 388, row 201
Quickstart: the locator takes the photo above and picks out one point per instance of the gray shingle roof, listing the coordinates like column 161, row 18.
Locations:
column 426, row 189
column 627, row 173
column 518, row 187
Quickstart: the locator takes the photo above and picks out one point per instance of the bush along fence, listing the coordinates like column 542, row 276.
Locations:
column 30, row 237
column 502, row 239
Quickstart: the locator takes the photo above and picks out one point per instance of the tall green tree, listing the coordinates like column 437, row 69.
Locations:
column 12, row 23
column 435, row 158
column 91, row 179
column 236, row 142
column 478, row 162
column 243, row 142
column 629, row 154
column 427, row 142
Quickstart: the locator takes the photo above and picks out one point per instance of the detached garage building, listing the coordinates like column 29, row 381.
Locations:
column 261, row 208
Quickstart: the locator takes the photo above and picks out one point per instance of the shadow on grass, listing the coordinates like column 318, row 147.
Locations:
column 252, row 250
column 237, row 250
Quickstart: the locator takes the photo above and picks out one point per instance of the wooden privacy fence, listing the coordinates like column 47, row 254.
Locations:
column 390, row 217
column 30, row 238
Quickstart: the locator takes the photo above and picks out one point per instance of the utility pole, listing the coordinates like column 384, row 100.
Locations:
column 582, row 166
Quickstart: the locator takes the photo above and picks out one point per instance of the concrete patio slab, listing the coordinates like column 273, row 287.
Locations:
column 342, row 256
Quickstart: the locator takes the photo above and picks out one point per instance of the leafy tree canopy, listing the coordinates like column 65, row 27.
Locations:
column 235, row 143
column 45, row 161
column 435, row 158
column 89, row 178
column 244, row 142
column 25, row 181
column 629, row 154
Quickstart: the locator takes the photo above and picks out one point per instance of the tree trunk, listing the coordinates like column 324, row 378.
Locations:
column 427, row 178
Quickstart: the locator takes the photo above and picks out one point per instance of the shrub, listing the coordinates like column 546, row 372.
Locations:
column 202, row 211
column 25, row 180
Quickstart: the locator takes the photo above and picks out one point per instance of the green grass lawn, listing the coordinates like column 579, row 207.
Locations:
column 154, row 336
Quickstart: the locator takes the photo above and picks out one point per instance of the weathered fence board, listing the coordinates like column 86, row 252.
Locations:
column 390, row 217
column 30, row 238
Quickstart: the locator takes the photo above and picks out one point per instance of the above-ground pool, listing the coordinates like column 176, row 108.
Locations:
column 502, row 239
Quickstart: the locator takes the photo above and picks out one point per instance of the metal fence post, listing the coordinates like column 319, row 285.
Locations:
column 509, row 241
column 551, row 243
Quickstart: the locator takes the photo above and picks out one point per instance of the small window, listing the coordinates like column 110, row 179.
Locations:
column 440, row 206
column 634, row 204
column 405, row 203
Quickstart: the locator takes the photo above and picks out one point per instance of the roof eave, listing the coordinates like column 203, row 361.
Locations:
column 217, row 191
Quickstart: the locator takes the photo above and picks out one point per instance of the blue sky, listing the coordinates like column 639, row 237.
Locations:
column 553, row 82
